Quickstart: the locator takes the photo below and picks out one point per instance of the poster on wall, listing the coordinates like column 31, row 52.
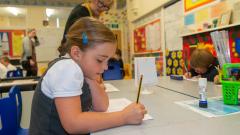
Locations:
column 17, row 37
column 174, row 62
column 190, row 5
column 147, row 38
column 139, row 40
column 4, row 42
column 11, row 42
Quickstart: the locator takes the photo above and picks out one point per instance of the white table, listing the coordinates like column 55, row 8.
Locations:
column 170, row 118
column 18, row 82
column 26, row 84
column 189, row 87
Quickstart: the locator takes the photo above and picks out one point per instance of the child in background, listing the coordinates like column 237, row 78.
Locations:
column 203, row 64
column 5, row 66
column 63, row 103
column 118, row 58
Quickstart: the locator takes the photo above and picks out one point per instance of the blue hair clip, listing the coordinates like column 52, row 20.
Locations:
column 84, row 38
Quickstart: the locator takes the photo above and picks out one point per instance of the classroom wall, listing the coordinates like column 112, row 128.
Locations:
column 173, row 24
column 35, row 16
column 17, row 21
column 138, row 8
column 49, row 36
column 6, row 21
column 118, row 15
column 140, row 13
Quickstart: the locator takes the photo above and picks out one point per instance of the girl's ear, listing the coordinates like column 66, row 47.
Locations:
column 75, row 53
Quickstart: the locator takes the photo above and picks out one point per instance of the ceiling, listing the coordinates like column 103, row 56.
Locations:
column 61, row 8
column 4, row 11
column 58, row 12
column 42, row 2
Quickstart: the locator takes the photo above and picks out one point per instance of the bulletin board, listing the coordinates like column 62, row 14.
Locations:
column 147, row 38
column 11, row 42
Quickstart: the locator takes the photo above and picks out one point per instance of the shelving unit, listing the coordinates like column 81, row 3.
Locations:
column 209, row 30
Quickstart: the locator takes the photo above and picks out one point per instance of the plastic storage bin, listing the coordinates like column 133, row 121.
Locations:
column 230, row 88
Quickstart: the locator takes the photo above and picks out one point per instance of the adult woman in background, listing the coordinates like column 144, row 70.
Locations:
column 93, row 8
column 29, row 62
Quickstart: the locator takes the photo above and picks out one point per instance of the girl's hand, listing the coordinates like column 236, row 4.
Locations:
column 188, row 75
column 99, row 81
column 134, row 113
column 216, row 79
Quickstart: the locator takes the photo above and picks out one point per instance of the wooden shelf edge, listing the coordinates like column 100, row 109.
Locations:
column 208, row 30
column 147, row 52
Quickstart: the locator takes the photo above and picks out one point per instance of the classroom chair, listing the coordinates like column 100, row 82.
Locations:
column 113, row 72
column 8, row 116
column 15, row 73
column 15, row 94
column 11, row 112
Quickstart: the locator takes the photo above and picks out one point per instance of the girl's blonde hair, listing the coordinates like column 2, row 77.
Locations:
column 85, row 33
column 201, row 58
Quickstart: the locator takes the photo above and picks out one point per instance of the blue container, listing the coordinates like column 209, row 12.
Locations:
column 237, row 42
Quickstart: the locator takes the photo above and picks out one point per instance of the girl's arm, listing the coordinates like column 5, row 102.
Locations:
column 74, row 121
column 99, row 96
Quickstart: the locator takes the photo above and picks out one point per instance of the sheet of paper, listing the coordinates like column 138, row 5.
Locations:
column 120, row 103
column 145, row 66
column 194, row 79
column 216, row 107
column 202, row 15
column 218, row 9
column 189, row 19
column 110, row 87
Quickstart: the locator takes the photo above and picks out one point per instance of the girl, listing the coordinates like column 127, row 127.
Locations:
column 5, row 66
column 63, row 103
column 203, row 64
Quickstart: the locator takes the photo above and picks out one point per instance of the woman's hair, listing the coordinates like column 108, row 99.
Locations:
column 29, row 30
column 85, row 33
column 201, row 58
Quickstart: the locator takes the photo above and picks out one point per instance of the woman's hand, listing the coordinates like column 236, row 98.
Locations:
column 32, row 63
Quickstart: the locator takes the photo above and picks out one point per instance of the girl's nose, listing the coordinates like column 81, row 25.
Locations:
column 105, row 66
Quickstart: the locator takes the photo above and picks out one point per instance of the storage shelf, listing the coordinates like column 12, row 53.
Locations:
column 208, row 30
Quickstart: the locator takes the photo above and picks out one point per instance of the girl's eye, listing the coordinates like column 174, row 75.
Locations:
column 99, row 61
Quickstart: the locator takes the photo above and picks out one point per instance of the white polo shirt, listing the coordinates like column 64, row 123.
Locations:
column 64, row 79
column 4, row 69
